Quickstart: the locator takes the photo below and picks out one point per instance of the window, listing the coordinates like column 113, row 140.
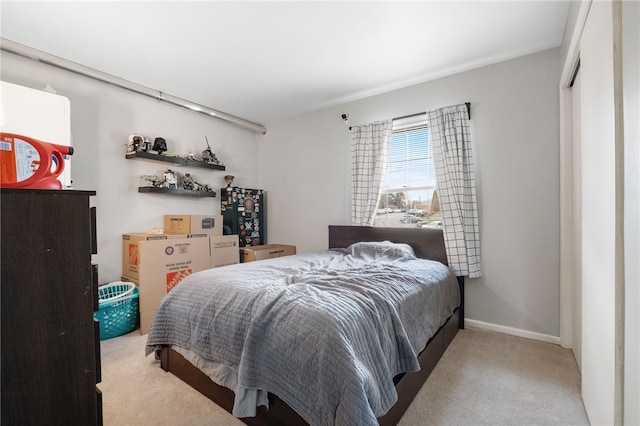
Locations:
column 409, row 184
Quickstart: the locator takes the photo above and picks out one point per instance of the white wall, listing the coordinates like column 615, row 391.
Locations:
column 304, row 163
column 102, row 118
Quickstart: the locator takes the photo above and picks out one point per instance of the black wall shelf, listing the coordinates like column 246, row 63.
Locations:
column 178, row 191
column 175, row 160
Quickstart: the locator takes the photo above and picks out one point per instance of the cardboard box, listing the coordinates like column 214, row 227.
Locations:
column 163, row 264
column 224, row 250
column 131, row 250
column 266, row 251
column 195, row 225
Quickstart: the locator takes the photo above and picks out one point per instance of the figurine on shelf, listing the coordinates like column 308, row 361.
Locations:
column 188, row 182
column 135, row 143
column 169, row 179
column 197, row 186
column 146, row 145
column 228, row 179
column 208, row 156
column 152, row 180
column 160, row 145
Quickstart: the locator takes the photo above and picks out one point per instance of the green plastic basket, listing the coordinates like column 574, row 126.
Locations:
column 118, row 309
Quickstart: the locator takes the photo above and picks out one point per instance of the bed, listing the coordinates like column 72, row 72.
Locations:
column 294, row 361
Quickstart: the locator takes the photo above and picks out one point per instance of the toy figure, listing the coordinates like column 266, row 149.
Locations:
column 207, row 188
column 152, row 180
column 146, row 145
column 188, row 182
column 170, row 180
column 135, row 143
column 160, row 145
column 208, row 156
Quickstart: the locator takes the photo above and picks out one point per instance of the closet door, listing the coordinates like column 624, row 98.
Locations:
column 598, row 214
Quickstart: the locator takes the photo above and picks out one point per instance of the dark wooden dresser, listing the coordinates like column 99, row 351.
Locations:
column 50, row 343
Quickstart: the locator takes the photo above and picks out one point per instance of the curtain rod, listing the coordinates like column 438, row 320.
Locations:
column 46, row 58
column 467, row 104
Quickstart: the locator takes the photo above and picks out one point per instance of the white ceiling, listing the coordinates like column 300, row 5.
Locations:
column 265, row 61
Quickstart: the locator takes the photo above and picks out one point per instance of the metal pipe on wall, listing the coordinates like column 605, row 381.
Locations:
column 46, row 58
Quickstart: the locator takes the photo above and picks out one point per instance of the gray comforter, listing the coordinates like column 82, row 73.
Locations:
column 326, row 332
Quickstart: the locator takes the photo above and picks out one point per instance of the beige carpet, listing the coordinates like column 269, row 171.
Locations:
column 484, row 378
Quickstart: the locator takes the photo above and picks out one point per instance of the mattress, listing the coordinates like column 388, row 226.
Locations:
column 327, row 331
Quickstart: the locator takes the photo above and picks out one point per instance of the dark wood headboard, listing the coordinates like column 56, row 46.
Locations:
column 427, row 243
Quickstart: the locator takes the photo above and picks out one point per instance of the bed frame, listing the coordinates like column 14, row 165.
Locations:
column 427, row 243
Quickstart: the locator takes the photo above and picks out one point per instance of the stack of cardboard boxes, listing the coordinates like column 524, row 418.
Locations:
column 158, row 262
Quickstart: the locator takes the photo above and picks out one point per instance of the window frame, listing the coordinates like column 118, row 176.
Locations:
column 408, row 124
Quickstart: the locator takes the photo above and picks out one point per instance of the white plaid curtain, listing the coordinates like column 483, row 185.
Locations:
column 369, row 154
column 449, row 136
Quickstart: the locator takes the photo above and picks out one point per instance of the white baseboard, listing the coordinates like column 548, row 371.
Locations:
column 512, row 331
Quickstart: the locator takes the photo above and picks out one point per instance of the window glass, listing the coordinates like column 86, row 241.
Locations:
column 409, row 196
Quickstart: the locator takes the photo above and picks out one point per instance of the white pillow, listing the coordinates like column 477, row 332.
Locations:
column 378, row 250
